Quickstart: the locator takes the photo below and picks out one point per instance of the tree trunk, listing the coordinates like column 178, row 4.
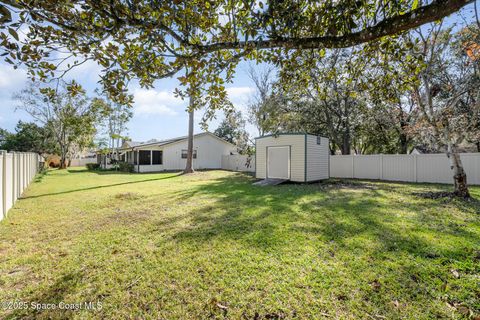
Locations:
column 346, row 142
column 189, row 166
column 332, row 150
column 403, row 143
column 459, row 175
column 63, row 162
column 63, row 158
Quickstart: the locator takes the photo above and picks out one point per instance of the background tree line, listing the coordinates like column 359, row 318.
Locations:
column 66, row 122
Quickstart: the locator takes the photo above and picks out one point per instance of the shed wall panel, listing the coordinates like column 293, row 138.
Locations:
column 317, row 158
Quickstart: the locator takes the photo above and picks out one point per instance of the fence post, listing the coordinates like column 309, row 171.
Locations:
column 381, row 167
column 24, row 172
column 21, row 169
column 20, row 180
column 4, row 183
column 353, row 166
column 415, row 169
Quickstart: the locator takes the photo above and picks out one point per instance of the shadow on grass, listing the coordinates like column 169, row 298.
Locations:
column 266, row 217
column 99, row 172
column 40, row 175
column 54, row 294
column 99, row 187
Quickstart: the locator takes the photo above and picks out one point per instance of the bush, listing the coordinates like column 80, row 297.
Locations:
column 52, row 161
column 125, row 167
column 93, row 166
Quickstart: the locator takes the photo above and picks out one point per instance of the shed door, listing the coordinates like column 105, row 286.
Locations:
column 278, row 162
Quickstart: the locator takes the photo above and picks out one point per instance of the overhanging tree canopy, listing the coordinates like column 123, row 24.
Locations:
column 148, row 40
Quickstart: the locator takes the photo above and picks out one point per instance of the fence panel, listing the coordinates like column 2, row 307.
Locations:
column 341, row 166
column 82, row 162
column 238, row 162
column 398, row 168
column 433, row 168
column 17, row 170
column 367, row 167
column 471, row 162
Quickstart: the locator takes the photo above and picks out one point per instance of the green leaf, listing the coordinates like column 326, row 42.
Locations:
column 415, row 4
column 6, row 15
column 13, row 33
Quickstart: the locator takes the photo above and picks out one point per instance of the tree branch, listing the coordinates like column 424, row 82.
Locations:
column 390, row 26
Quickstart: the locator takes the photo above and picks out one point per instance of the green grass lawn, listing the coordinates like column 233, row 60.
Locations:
column 211, row 245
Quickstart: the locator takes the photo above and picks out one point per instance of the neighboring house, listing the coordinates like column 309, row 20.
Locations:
column 426, row 150
column 82, row 158
column 86, row 154
column 171, row 154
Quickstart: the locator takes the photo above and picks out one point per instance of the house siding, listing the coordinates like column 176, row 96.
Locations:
column 209, row 154
column 297, row 154
column 317, row 158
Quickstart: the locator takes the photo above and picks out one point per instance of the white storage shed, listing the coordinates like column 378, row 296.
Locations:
column 296, row 157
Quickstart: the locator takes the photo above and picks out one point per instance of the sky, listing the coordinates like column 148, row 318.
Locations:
column 158, row 114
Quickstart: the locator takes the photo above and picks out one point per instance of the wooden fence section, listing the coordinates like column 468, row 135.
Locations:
column 17, row 170
column 432, row 168
column 238, row 162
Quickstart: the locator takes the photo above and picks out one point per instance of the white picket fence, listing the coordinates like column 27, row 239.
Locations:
column 17, row 170
column 433, row 168
column 238, row 162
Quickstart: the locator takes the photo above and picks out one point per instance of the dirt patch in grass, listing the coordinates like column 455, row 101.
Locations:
column 434, row 194
column 443, row 194
column 128, row 196
column 346, row 184
column 123, row 217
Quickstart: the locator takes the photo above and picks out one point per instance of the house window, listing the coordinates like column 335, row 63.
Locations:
column 319, row 140
column 184, row 154
column 157, row 157
column 144, row 157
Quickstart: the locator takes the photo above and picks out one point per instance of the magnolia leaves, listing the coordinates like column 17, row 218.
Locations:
column 5, row 14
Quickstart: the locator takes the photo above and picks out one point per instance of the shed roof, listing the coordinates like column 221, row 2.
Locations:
column 288, row 134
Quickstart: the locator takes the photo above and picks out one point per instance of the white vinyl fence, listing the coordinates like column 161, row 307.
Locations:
column 433, row 168
column 238, row 162
column 82, row 162
column 17, row 170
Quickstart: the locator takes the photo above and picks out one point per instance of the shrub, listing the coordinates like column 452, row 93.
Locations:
column 125, row 167
column 52, row 161
column 93, row 166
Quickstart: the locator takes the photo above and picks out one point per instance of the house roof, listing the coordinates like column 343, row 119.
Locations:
column 153, row 142
column 422, row 149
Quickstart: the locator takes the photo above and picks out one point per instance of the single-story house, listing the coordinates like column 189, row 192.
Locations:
column 296, row 157
column 171, row 154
